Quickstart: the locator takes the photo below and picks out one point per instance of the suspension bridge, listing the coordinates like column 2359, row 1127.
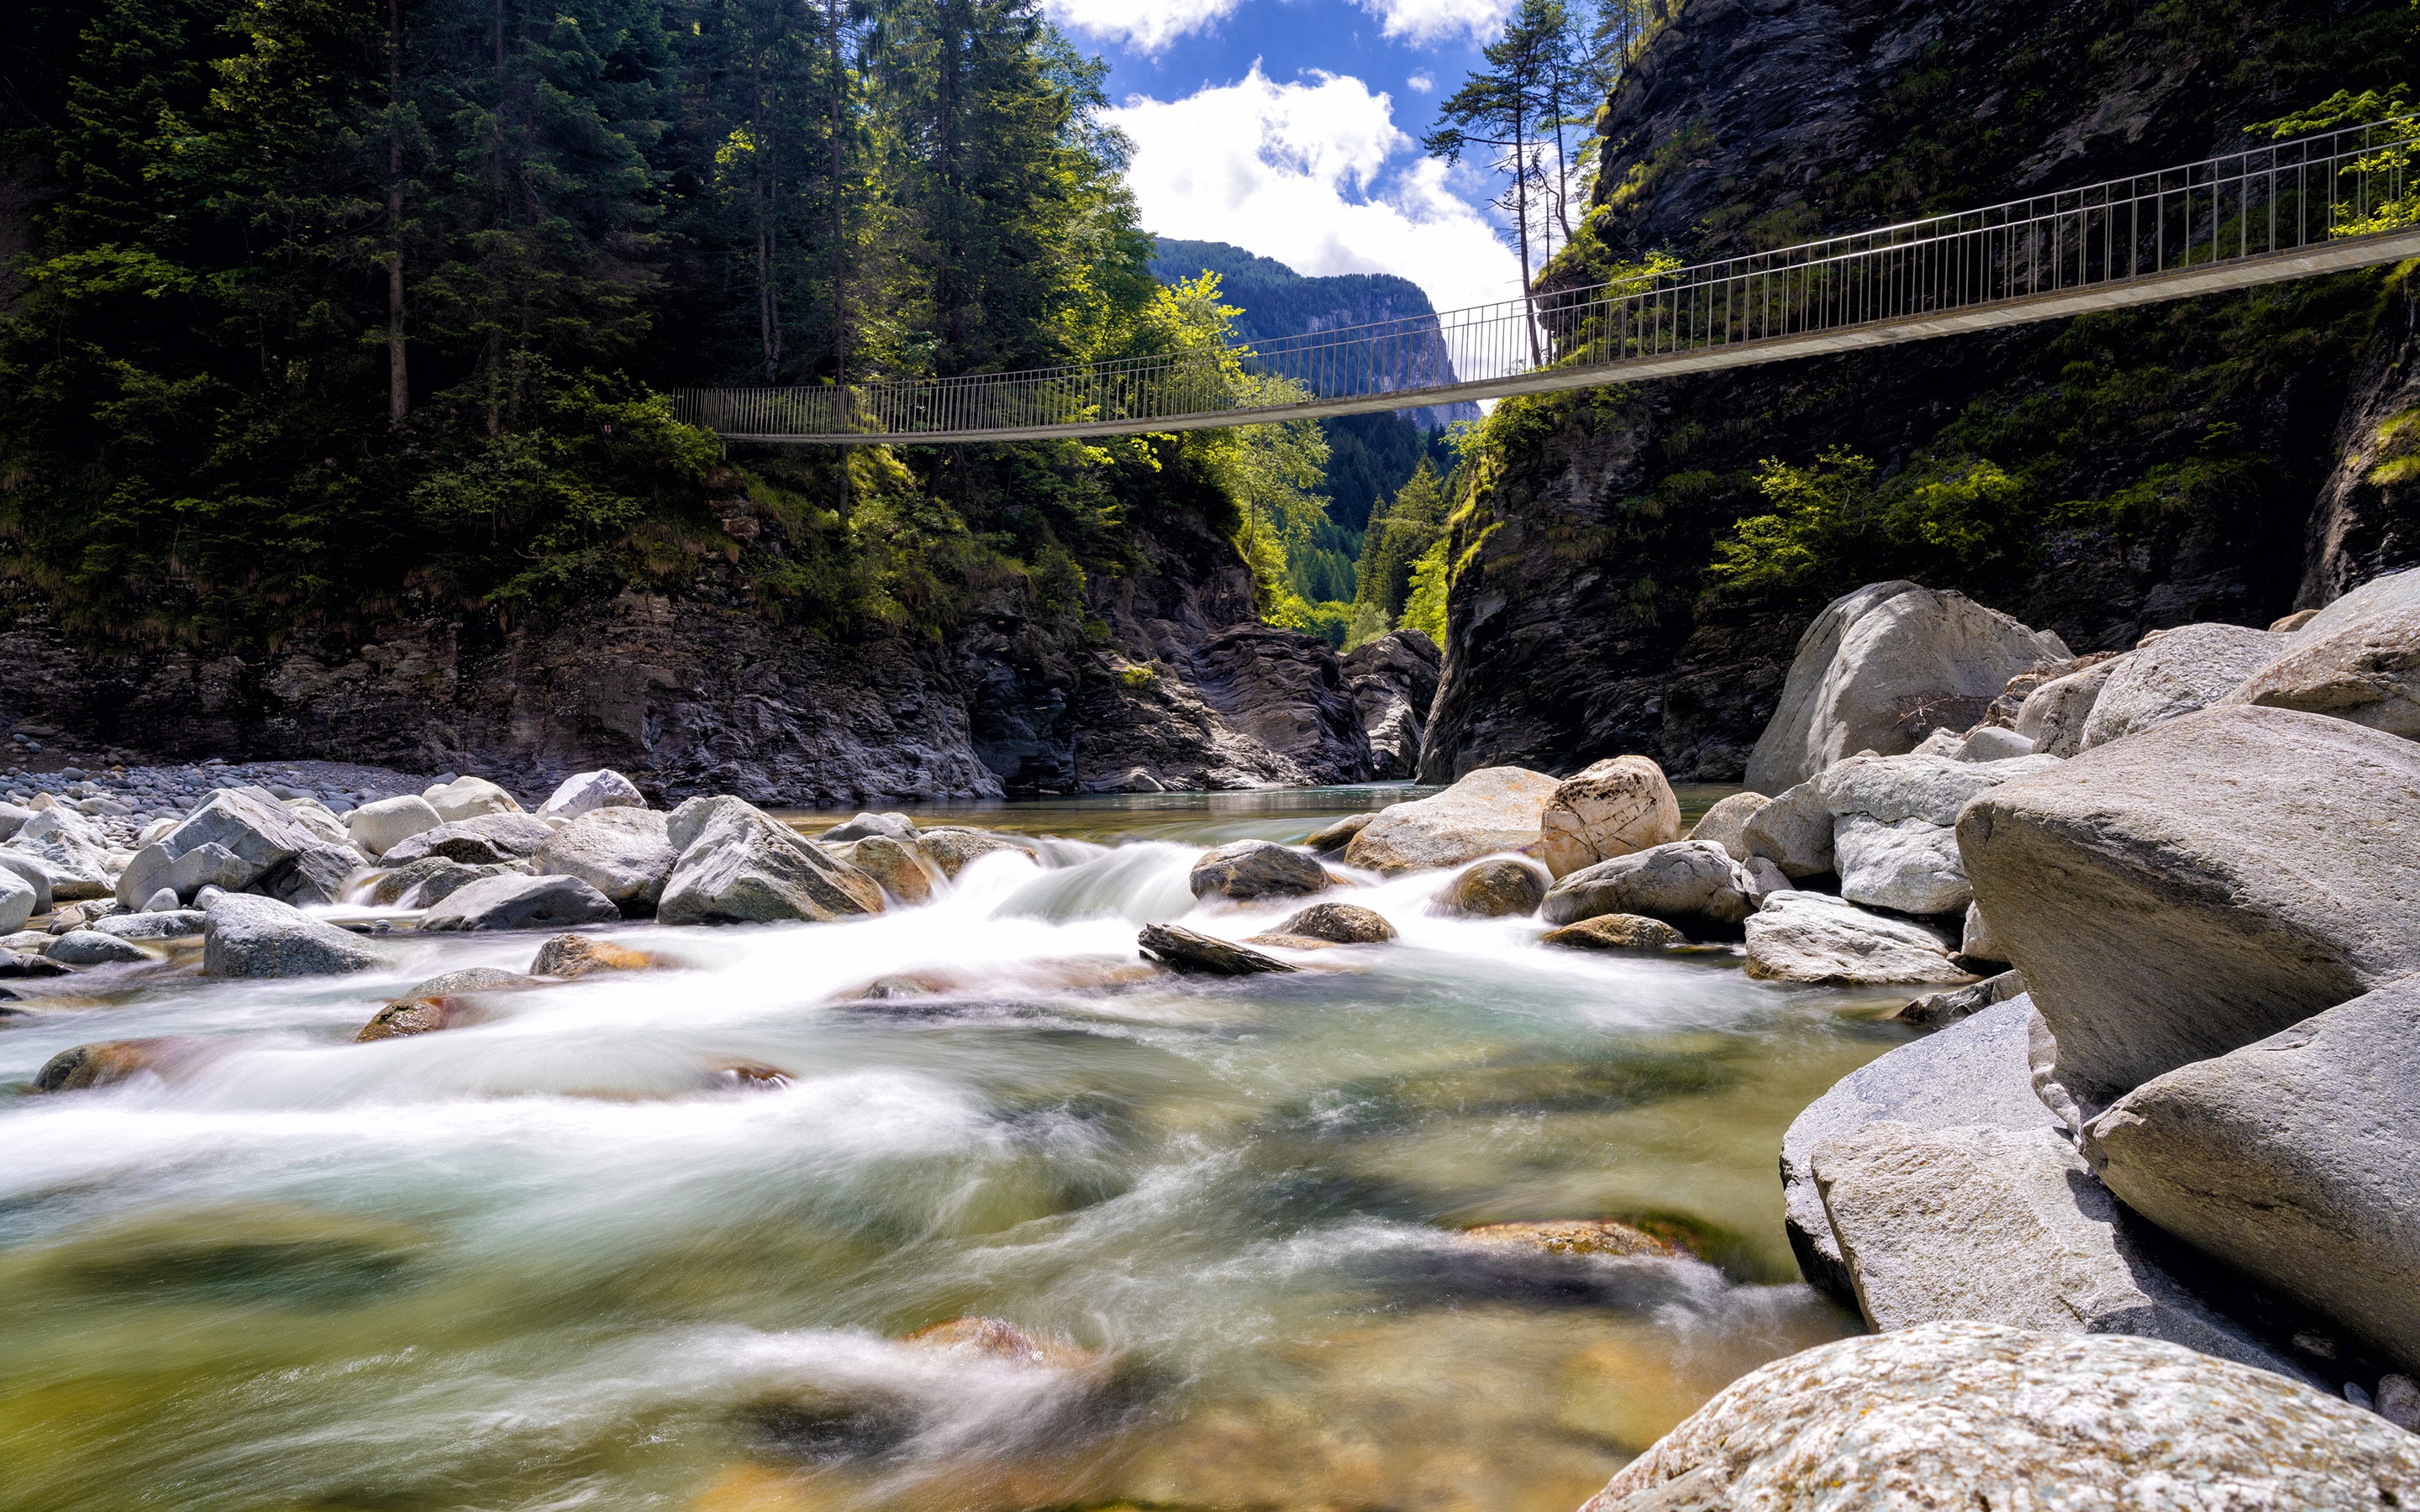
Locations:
column 2320, row 203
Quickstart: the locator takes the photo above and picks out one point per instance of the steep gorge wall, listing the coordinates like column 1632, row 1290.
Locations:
column 2182, row 462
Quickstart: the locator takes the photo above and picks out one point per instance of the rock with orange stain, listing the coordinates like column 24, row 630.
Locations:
column 110, row 1061
column 580, row 955
column 1003, row 1341
column 1574, row 1235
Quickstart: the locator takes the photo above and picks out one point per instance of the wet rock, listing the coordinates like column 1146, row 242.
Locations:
column 1616, row 931
column 2292, row 1159
column 1883, row 667
column 91, row 948
column 620, row 851
column 1817, row 938
column 1256, row 869
column 1976, row 1072
column 994, row 1339
column 110, row 1061
column 953, row 848
column 23, row 964
column 2174, row 673
column 1572, row 1235
column 1394, row 680
column 244, row 935
column 485, row 839
column 470, row 797
column 2368, row 672
column 1340, row 924
column 1494, row 809
column 379, row 826
column 1893, row 1421
column 588, row 792
column 448, row 1001
column 1501, row 889
column 571, row 956
column 739, row 866
column 1694, row 886
column 1616, row 806
column 1937, row 1009
column 896, row 826
column 1184, row 949
column 1726, row 823
column 896, row 866
column 1335, row 837
column 744, row 1077
column 1910, row 867
column 1794, row 832
column 2001, row 1227
column 513, row 903
column 2054, row 715
column 2201, row 884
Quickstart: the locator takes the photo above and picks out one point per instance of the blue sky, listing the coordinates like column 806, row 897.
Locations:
column 1291, row 128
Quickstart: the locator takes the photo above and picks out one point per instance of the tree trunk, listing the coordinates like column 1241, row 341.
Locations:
column 399, row 380
column 1521, row 226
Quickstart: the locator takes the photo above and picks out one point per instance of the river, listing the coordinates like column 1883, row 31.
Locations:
column 568, row 1259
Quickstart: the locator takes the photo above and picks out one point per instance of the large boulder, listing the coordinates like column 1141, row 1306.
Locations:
column 897, row 866
column 1494, row 809
column 2368, row 671
column 33, row 872
column 2054, row 715
column 1613, row 808
column 1256, row 869
column 739, row 866
column 622, row 852
column 1726, row 823
column 1692, row 884
column 1817, row 938
column 1910, row 867
column 484, row 840
column 2201, row 884
column 1881, row 668
column 1394, row 680
column 2294, row 1159
column 2001, row 1226
column 953, row 850
column 1794, row 832
column 429, row 880
column 2381, row 595
column 1974, row 1072
column 517, row 902
column 244, row 935
column 1500, row 888
column 1977, row 1415
column 2174, row 673
column 378, row 828
column 91, row 948
column 17, row 898
column 240, row 839
column 73, row 850
column 587, row 791
column 1915, row 786
column 470, row 797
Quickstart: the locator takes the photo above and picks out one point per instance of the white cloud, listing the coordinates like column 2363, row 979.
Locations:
column 1310, row 175
column 1422, row 81
column 1432, row 20
column 1147, row 25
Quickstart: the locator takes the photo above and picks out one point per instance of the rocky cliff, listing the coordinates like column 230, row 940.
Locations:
column 2169, row 464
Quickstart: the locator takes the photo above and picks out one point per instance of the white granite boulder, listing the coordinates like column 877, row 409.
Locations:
column 1492, row 809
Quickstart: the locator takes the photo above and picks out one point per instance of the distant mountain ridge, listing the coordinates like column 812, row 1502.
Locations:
column 1277, row 301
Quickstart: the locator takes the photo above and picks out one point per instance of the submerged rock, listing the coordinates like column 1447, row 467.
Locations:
column 1256, row 869
column 578, row 956
column 1572, row 1235
column 446, row 1001
column 1969, row 1415
column 953, row 848
column 1184, row 949
column 1616, row 931
column 1614, row 808
column 1492, row 809
column 1503, row 888
column 1340, row 924
column 994, row 1339
column 110, row 1061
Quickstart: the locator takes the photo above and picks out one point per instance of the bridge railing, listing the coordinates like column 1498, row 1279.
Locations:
column 2274, row 201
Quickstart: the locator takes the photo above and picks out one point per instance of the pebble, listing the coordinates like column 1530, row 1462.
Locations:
column 125, row 799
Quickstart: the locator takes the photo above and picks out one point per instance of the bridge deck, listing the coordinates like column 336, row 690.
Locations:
column 2340, row 200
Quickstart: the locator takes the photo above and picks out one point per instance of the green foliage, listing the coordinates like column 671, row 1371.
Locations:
column 1411, row 522
column 1835, row 525
column 1424, row 606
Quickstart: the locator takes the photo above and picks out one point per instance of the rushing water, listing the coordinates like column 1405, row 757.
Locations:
column 558, row 1259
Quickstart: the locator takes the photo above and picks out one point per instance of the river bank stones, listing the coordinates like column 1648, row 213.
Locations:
column 2174, row 672
column 621, row 851
column 2368, row 672
column 587, row 791
column 1613, row 808
column 1255, row 869
column 1492, row 809
column 2294, row 1159
column 2200, row 886
column 378, row 828
column 1972, row 1414
column 739, row 866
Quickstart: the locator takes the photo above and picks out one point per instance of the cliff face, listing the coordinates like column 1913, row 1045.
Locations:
column 2173, row 459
